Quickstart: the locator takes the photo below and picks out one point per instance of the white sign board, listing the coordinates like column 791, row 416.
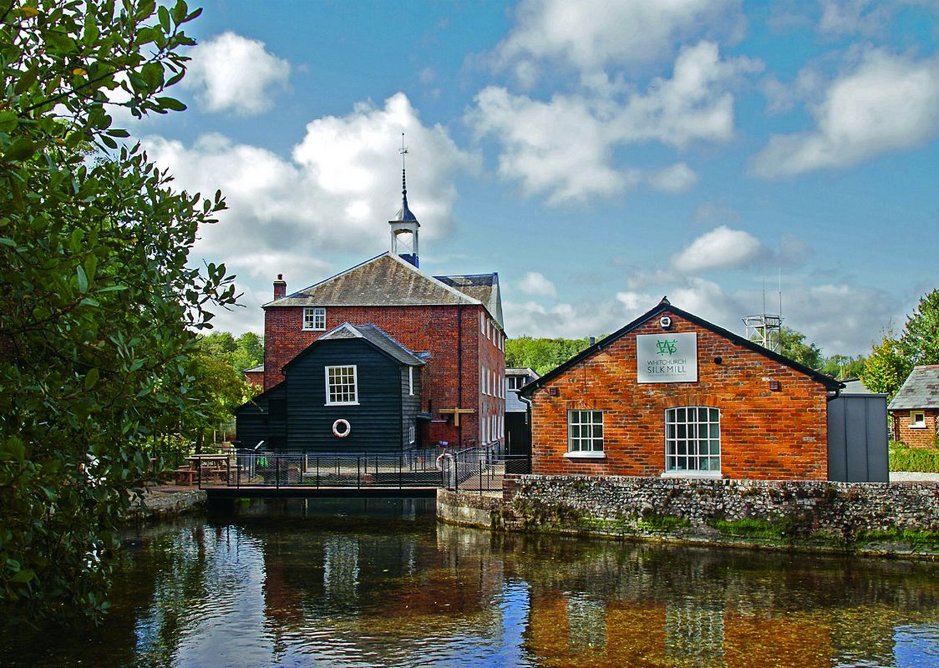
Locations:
column 667, row 358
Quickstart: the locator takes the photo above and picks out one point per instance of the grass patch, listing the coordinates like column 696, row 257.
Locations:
column 665, row 523
column 903, row 458
column 917, row 540
column 631, row 525
column 753, row 528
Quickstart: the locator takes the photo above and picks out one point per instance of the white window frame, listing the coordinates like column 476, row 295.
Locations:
column 917, row 423
column 684, row 439
column 412, row 433
column 314, row 318
column 578, row 420
column 355, row 385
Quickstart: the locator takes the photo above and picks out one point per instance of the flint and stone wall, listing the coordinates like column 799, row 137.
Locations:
column 781, row 513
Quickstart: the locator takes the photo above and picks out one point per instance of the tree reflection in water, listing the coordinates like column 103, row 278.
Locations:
column 380, row 583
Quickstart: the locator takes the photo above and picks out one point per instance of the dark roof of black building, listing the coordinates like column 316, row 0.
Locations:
column 374, row 335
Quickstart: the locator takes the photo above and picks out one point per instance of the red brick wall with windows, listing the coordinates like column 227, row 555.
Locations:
column 433, row 329
column 491, row 363
column 765, row 434
column 917, row 437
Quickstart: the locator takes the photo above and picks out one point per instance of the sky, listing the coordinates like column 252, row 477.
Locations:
column 598, row 155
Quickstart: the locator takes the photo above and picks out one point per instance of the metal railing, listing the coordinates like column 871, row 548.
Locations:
column 471, row 469
column 481, row 469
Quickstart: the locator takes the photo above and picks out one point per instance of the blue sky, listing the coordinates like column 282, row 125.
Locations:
column 598, row 155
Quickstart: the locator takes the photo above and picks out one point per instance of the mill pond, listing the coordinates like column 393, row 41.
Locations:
column 378, row 582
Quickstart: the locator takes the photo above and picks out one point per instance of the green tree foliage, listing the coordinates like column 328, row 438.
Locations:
column 792, row 345
column 541, row 355
column 217, row 367
column 886, row 367
column 97, row 301
column 920, row 341
column 843, row 367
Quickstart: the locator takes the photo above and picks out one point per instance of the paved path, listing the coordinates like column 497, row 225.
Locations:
column 913, row 476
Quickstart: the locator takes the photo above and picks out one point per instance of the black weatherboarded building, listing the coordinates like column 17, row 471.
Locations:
column 355, row 389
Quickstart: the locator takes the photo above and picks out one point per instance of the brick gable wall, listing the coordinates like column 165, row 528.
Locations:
column 918, row 437
column 434, row 329
column 765, row 434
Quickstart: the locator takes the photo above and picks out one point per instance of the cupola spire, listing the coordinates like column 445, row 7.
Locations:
column 405, row 226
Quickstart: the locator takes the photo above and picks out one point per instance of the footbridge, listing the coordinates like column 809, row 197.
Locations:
column 408, row 474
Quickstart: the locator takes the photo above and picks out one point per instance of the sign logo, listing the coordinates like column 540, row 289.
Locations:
column 668, row 358
column 667, row 347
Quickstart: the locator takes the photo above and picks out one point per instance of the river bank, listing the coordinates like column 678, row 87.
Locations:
column 899, row 519
column 164, row 501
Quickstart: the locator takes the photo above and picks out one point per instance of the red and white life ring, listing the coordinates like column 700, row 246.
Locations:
column 341, row 428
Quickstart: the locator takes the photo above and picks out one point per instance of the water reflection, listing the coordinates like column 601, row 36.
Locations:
column 300, row 583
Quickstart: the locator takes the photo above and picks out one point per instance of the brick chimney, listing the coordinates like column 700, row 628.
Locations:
column 280, row 287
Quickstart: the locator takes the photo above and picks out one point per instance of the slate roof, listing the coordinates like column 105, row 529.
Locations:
column 255, row 369
column 665, row 307
column 387, row 280
column 513, row 404
column 377, row 337
column 484, row 288
column 919, row 390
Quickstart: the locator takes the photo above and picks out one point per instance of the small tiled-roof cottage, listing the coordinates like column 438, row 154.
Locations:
column 915, row 408
column 671, row 394
column 452, row 323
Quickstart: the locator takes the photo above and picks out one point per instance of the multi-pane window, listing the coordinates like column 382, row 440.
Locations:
column 693, row 439
column 341, row 385
column 314, row 318
column 584, row 431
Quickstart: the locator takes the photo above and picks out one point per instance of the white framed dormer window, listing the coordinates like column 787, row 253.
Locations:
column 584, row 434
column 314, row 318
column 411, row 381
column 917, row 419
column 693, row 441
column 342, row 385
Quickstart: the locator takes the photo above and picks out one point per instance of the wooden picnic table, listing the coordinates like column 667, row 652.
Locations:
column 208, row 468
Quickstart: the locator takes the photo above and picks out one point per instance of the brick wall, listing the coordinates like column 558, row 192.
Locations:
column 492, row 362
column 918, row 437
column 447, row 375
column 765, row 434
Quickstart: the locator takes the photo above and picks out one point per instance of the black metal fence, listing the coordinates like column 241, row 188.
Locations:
column 472, row 469
column 480, row 469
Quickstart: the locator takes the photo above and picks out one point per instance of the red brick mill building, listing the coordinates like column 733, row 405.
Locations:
column 451, row 323
column 671, row 394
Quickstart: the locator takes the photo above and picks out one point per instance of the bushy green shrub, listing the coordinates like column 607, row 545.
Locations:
column 903, row 458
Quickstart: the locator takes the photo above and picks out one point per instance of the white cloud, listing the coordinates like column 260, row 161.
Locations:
column 234, row 73
column 564, row 320
column 336, row 194
column 693, row 105
column 838, row 318
column 721, row 248
column 564, row 146
column 591, row 34
column 535, row 283
column 854, row 16
column 678, row 178
column 887, row 103
column 559, row 147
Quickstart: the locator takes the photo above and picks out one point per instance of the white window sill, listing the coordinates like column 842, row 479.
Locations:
column 712, row 475
column 917, row 426
column 343, row 403
column 312, row 329
column 585, row 455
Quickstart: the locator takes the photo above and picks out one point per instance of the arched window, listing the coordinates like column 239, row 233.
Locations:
column 693, row 440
